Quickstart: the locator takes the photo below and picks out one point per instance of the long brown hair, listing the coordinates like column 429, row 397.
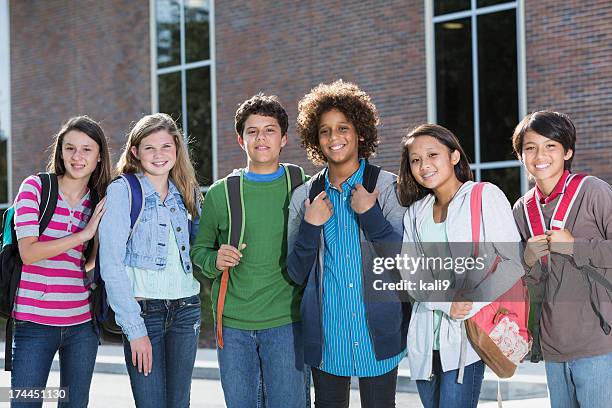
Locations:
column 182, row 174
column 101, row 176
column 408, row 190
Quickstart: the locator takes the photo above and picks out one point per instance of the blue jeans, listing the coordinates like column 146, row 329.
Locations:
column 35, row 345
column 173, row 327
column 443, row 391
column 585, row 382
column 266, row 365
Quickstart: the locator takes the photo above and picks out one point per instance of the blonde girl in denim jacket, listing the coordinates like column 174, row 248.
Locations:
column 148, row 273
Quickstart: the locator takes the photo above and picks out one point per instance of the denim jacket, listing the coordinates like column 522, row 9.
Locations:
column 146, row 249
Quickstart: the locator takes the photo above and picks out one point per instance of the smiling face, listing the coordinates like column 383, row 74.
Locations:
column 262, row 140
column 156, row 153
column 544, row 158
column 338, row 138
column 431, row 163
column 80, row 154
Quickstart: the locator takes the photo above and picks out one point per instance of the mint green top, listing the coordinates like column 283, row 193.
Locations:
column 434, row 232
column 168, row 283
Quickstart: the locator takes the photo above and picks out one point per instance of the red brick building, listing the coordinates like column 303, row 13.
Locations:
column 475, row 66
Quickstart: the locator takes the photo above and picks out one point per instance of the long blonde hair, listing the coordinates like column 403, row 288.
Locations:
column 182, row 174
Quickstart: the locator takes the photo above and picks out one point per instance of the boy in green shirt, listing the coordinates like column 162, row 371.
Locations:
column 259, row 340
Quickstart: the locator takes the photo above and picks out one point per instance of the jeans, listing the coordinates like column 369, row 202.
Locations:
column 35, row 345
column 584, row 382
column 332, row 391
column 443, row 391
column 173, row 327
column 266, row 365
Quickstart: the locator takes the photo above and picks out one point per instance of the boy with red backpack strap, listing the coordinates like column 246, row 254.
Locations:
column 566, row 220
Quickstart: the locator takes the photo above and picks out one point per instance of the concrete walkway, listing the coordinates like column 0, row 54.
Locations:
column 528, row 384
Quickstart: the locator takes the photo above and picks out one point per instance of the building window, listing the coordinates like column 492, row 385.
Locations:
column 475, row 62
column 5, row 107
column 183, row 75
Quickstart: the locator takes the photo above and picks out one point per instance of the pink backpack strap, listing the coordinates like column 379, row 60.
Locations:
column 475, row 213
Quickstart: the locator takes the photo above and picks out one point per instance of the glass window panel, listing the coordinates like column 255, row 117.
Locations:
column 168, row 33
column 508, row 179
column 453, row 46
column 170, row 95
column 485, row 3
column 199, row 126
column 498, row 84
column 450, row 6
column 196, row 30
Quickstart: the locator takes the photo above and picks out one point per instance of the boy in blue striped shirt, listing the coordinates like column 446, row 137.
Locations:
column 345, row 333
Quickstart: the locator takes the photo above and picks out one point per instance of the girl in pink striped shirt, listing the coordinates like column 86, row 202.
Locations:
column 52, row 307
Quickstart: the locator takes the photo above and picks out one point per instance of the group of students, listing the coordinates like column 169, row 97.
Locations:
column 289, row 262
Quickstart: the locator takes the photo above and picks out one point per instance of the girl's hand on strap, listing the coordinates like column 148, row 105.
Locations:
column 460, row 309
column 92, row 226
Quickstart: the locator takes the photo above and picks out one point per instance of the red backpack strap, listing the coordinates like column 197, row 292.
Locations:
column 570, row 192
column 475, row 213
column 534, row 216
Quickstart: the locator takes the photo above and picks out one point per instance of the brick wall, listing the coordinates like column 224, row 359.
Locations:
column 287, row 50
column 75, row 57
column 569, row 69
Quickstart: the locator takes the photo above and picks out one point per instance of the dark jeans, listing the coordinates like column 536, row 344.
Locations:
column 173, row 326
column 35, row 345
column 332, row 391
column 443, row 391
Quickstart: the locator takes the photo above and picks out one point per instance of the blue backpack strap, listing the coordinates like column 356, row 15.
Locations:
column 136, row 199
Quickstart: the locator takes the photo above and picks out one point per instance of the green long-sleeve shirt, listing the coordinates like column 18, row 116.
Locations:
column 260, row 294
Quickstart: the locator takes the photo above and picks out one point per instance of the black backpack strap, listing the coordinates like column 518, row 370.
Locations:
column 233, row 195
column 295, row 175
column 318, row 185
column 8, row 345
column 94, row 198
column 48, row 199
column 370, row 176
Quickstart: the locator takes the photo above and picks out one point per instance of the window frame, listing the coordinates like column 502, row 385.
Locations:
column 430, row 20
column 5, row 101
column 183, row 67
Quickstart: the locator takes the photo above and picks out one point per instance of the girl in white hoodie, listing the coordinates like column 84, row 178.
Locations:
column 435, row 181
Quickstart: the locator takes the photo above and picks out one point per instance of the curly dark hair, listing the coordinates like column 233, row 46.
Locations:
column 346, row 97
column 263, row 105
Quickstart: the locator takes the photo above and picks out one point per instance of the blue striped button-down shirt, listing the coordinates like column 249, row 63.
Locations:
column 348, row 349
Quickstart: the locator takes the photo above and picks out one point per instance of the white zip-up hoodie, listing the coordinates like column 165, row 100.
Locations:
column 499, row 229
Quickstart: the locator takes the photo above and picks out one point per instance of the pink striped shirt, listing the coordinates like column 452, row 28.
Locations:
column 53, row 291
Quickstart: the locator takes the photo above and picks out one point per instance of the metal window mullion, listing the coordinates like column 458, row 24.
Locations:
column 153, row 44
column 213, row 88
column 522, row 76
column 183, row 72
column 177, row 68
column 475, row 90
column 496, row 165
column 474, row 10
column 430, row 61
